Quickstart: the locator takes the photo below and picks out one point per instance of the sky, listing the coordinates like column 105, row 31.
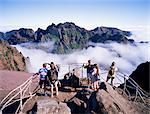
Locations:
column 124, row 14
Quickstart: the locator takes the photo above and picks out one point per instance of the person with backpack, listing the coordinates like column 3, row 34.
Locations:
column 53, row 78
column 112, row 72
column 95, row 77
column 89, row 68
column 42, row 73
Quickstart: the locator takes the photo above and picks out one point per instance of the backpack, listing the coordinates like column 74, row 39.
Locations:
column 53, row 75
column 112, row 71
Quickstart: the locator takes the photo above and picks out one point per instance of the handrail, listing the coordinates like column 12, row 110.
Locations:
column 22, row 89
column 138, row 89
column 15, row 90
column 135, row 84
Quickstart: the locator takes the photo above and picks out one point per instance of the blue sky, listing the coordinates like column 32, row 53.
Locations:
column 85, row 13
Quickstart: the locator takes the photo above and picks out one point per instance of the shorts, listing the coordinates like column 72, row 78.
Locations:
column 94, row 78
column 89, row 75
column 42, row 82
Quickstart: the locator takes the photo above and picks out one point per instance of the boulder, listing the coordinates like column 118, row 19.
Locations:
column 109, row 101
column 51, row 106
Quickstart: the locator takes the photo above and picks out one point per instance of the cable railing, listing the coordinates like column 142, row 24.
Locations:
column 18, row 94
column 24, row 90
column 133, row 85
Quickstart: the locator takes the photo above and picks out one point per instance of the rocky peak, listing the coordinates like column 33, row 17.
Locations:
column 66, row 25
column 110, row 30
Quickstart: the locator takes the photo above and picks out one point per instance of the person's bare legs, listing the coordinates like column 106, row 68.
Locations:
column 107, row 79
column 97, row 85
column 94, row 85
column 112, row 81
column 52, row 87
column 56, row 87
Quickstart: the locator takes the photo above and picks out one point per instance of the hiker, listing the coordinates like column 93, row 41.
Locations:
column 95, row 78
column 53, row 78
column 111, row 73
column 89, row 68
column 42, row 73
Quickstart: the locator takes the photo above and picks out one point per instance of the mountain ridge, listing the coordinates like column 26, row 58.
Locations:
column 67, row 36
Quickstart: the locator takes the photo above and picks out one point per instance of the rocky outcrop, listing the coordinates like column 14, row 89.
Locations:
column 109, row 101
column 141, row 77
column 67, row 36
column 52, row 107
column 10, row 58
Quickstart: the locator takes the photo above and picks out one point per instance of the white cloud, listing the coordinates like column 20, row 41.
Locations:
column 127, row 57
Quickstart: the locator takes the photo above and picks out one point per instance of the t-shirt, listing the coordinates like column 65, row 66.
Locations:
column 43, row 73
column 89, row 68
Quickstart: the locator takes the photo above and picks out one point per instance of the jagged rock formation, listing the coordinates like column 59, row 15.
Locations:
column 67, row 36
column 141, row 77
column 10, row 58
column 109, row 101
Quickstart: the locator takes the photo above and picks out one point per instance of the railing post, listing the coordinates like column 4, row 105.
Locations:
column 69, row 68
column 21, row 104
column 136, row 93
column 82, row 71
column 30, row 93
column 0, row 111
column 124, row 84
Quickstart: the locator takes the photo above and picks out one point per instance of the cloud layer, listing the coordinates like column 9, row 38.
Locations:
column 126, row 56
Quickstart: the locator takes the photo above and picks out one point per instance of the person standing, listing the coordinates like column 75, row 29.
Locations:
column 89, row 68
column 43, row 73
column 95, row 78
column 53, row 77
column 112, row 72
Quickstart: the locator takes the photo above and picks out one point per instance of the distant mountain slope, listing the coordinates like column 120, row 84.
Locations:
column 10, row 58
column 67, row 36
column 103, row 34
